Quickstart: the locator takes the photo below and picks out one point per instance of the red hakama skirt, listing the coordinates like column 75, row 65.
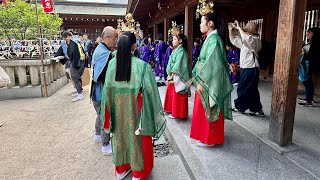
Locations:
column 176, row 103
column 201, row 129
column 147, row 148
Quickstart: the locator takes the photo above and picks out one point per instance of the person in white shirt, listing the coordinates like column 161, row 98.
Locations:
column 249, row 43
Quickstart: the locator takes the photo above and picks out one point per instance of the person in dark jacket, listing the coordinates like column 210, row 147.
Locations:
column 63, row 51
column 310, row 61
column 88, row 49
column 73, row 54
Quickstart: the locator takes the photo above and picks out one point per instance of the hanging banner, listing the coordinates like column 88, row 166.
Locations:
column 4, row 2
column 47, row 6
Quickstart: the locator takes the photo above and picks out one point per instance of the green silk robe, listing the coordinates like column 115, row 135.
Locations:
column 178, row 64
column 120, row 115
column 211, row 72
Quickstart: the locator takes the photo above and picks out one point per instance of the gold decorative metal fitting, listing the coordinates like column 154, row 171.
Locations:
column 176, row 29
column 129, row 25
column 205, row 7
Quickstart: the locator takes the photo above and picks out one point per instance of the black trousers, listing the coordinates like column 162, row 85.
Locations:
column 248, row 93
column 76, row 76
column 309, row 88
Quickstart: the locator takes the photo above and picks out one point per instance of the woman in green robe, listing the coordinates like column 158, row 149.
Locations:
column 212, row 102
column 131, row 111
column 176, row 98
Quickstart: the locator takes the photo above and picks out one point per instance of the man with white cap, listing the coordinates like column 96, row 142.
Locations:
column 249, row 43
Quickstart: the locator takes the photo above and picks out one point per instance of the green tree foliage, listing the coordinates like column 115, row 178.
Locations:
column 18, row 21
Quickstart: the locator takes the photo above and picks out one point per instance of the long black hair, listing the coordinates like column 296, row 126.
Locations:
column 228, row 43
column 145, row 41
column 123, row 72
column 160, row 37
column 149, row 36
column 313, row 55
column 316, row 34
column 214, row 18
column 197, row 40
column 184, row 41
column 132, row 37
column 133, row 40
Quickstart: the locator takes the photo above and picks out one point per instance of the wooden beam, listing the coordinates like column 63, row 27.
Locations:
column 285, row 79
column 129, row 7
column 220, row 5
column 89, row 17
column 88, row 4
column 172, row 11
column 155, row 32
column 313, row 4
column 159, row 18
column 166, row 28
column 188, row 31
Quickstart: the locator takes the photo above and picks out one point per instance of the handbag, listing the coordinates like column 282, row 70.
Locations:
column 4, row 78
column 303, row 69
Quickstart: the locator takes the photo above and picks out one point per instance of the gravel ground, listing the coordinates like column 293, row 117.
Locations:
column 163, row 150
column 52, row 138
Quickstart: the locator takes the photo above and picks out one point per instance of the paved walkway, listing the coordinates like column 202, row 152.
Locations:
column 247, row 152
column 52, row 139
column 305, row 151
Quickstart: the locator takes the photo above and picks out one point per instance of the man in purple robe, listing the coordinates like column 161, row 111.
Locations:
column 145, row 52
column 167, row 57
column 159, row 56
column 196, row 48
column 151, row 47
column 233, row 61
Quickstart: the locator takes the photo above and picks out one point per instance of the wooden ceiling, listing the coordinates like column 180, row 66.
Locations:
column 71, row 21
column 90, row 18
column 148, row 13
column 144, row 10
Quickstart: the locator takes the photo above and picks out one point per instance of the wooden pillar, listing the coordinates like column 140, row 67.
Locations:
column 285, row 79
column 166, row 28
column 188, row 30
column 51, row 71
column 47, row 74
column 155, row 32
